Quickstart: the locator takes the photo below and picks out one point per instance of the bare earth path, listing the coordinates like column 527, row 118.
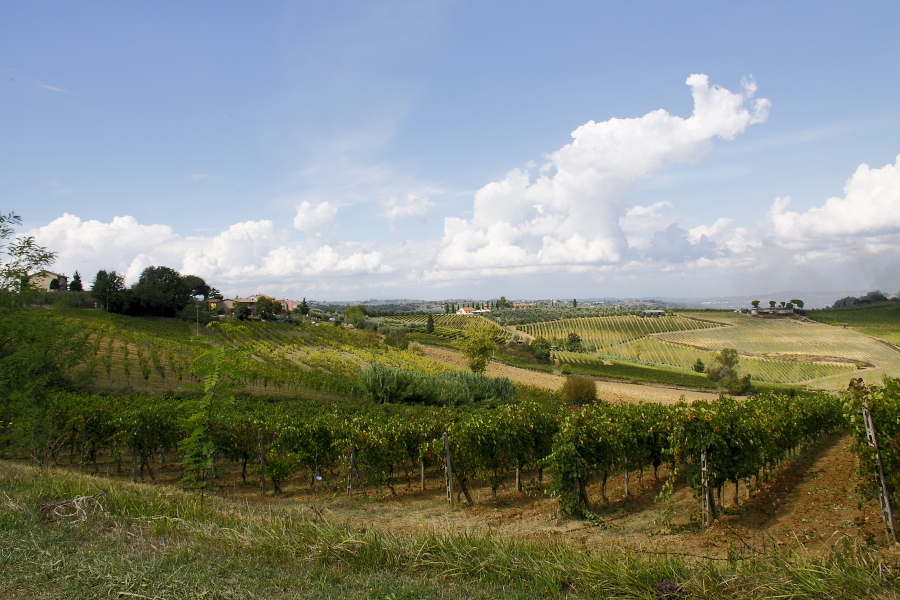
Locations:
column 608, row 391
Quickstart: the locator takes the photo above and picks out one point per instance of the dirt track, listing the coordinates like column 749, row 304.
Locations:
column 611, row 392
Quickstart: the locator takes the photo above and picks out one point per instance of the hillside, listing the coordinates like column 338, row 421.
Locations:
column 67, row 535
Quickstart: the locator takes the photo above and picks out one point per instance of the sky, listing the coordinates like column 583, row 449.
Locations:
column 353, row 150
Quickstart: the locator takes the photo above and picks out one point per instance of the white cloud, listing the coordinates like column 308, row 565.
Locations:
column 247, row 256
column 411, row 206
column 313, row 219
column 198, row 177
column 53, row 89
column 577, row 217
column 869, row 208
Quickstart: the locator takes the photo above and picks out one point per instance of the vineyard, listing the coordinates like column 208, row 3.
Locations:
column 154, row 355
column 881, row 321
column 449, row 326
column 603, row 334
column 772, row 350
column 363, row 445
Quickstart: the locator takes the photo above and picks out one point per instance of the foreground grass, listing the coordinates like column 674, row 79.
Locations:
column 154, row 543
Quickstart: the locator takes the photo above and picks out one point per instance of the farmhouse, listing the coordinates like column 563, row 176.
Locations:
column 521, row 305
column 654, row 313
column 43, row 280
column 465, row 310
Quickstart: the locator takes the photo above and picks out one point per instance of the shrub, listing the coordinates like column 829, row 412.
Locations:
column 579, row 390
column 566, row 369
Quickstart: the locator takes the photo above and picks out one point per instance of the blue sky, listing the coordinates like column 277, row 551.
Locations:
column 343, row 150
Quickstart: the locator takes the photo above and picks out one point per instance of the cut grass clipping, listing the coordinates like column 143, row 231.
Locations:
column 146, row 542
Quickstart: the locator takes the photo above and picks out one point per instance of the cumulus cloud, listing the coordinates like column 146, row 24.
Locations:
column 246, row 255
column 313, row 219
column 868, row 208
column 574, row 213
column 411, row 206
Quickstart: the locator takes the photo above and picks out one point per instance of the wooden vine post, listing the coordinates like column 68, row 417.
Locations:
column 887, row 513
column 262, row 461
column 448, row 468
column 354, row 468
column 705, row 492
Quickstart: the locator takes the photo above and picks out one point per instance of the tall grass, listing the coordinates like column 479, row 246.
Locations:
column 165, row 544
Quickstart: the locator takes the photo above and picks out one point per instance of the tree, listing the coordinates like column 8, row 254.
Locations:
column 446, row 308
column 502, row 303
column 478, row 347
column 241, row 311
column 54, row 284
column 267, row 308
column 355, row 315
column 303, row 308
column 573, row 342
column 797, row 303
column 574, row 303
column 161, row 291
column 429, row 324
column 198, row 287
column 76, row 285
column 20, row 258
column 540, row 347
column 755, row 304
column 698, row 366
column 725, row 372
column 772, row 303
column 107, row 288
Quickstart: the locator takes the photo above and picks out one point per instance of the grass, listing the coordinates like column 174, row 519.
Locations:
column 155, row 543
column 632, row 372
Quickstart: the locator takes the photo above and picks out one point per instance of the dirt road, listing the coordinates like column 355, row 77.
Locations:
column 608, row 391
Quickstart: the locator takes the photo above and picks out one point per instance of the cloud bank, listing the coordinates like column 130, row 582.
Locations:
column 549, row 224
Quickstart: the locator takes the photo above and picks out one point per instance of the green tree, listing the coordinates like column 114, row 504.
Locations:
column 540, row 347
column 797, row 303
column 20, row 257
column 241, row 311
column 198, row 448
column 573, row 343
column 478, row 347
column 303, row 308
column 54, row 284
column 725, row 372
column 267, row 308
column 503, row 303
column 574, row 303
column 772, row 303
column 107, row 288
column 355, row 315
column 755, row 304
column 76, row 285
column 160, row 291
column 429, row 324
column 698, row 366
column 198, row 287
